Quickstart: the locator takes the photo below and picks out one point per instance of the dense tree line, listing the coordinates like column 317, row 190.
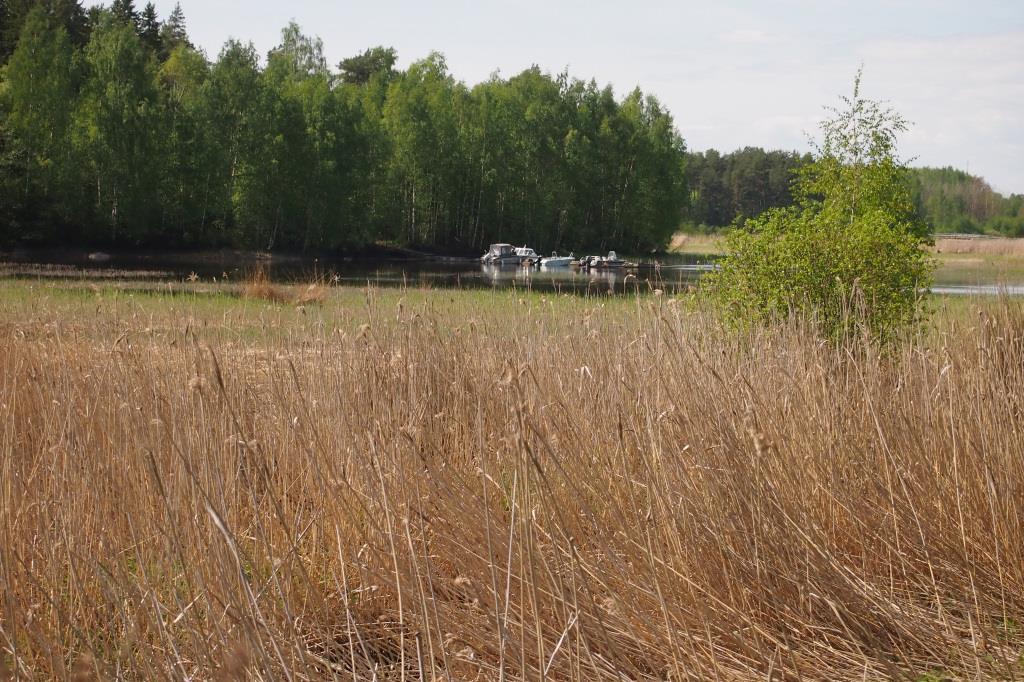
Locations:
column 740, row 184
column 952, row 200
column 743, row 184
column 117, row 130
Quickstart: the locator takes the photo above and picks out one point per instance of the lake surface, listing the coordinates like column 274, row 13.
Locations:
column 680, row 273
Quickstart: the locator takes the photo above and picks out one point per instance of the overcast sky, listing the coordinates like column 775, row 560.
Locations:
column 731, row 73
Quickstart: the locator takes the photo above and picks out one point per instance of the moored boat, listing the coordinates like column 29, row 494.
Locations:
column 527, row 256
column 556, row 261
column 611, row 261
column 501, row 254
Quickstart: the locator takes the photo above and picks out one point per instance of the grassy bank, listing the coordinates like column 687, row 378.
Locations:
column 404, row 484
column 959, row 261
column 697, row 244
column 980, row 261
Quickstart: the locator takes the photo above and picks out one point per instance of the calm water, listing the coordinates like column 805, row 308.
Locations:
column 682, row 273
column 979, row 289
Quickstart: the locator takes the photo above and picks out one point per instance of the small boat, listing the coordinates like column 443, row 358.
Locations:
column 556, row 261
column 611, row 261
column 501, row 254
column 527, row 256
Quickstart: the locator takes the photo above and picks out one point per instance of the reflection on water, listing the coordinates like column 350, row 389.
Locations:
column 682, row 274
column 979, row 289
column 453, row 273
column 476, row 276
column 670, row 278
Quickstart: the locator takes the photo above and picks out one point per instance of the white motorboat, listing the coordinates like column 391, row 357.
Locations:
column 556, row 261
column 611, row 261
column 527, row 256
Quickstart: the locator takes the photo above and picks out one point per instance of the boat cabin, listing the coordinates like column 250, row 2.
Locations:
column 500, row 254
column 501, row 250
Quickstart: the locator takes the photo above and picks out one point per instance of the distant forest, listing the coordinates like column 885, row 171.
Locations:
column 728, row 187
column 115, row 130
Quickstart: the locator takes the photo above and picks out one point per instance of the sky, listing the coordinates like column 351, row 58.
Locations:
column 733, row 74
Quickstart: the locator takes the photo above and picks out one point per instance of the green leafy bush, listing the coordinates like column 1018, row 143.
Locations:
column 850, row 256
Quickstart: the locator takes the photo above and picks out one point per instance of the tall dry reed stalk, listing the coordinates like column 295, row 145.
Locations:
column 564, row 491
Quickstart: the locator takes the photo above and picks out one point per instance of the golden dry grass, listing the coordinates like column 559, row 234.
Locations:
column 944, row 247
column 701, row 244
column 983, row 247
column 414, row 485
column 959, row 261
column 258, row 285
column 980, row 261
column 314, row 293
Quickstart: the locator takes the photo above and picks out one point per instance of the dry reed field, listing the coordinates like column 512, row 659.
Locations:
column 429, row 485
column 996, row 246
column 702, row 244
column 991, row 246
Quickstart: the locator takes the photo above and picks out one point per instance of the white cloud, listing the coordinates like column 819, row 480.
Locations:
column 745, row 36
column 965, row 95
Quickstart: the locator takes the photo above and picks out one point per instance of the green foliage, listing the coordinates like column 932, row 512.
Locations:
column 124, row 12
column 40, row 89
column 422, row 118
column 742, row 184
column 172, row 32
column 185, row 150
column 358, row 70
column 230, row 122
column 856, row 170
column 839, row 276
column 149, row 28
column 67, row 14
column 562, row 162
column 12, row 196
column 38, row 97
column 849, row 257
column 116, row 123
column 136, row 138
column 951, row 200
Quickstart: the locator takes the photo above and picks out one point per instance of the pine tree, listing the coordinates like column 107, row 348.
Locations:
column 66, row 13
column 124, row 11
column 172, row 32
column 72, row 16
column 149, row 28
